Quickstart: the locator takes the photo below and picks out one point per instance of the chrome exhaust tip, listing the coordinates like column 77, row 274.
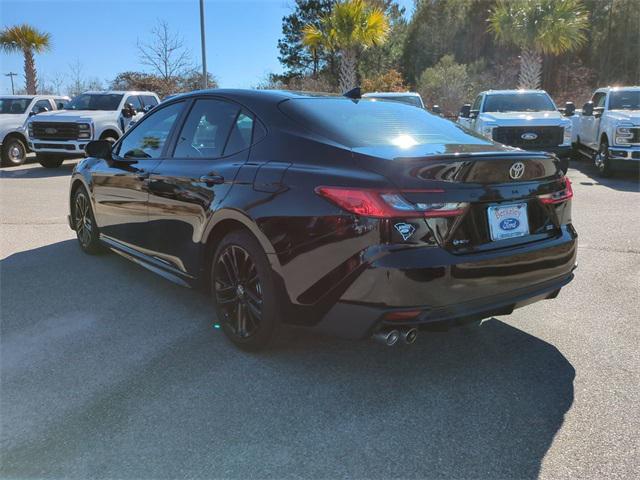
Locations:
column 387, row 337
column 409, row 335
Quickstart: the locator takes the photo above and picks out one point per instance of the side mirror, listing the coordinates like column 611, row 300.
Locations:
column 465, row 111
column 587, row 109
column 436, row 109
column 32, row 113
column 99, row 149
column 128, row 111
column 569, row 109
column 41, row 109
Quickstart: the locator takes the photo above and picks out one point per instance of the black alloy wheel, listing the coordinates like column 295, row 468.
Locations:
column 244, row 292
column 84, row 223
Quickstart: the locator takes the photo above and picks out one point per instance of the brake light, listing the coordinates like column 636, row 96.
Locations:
column 560, row 196
column 387, row 203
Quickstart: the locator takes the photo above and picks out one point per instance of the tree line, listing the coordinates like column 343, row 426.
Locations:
column 450, row 49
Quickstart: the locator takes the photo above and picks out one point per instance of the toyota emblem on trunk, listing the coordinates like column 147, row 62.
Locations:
column 516, row 171
column 529, row 136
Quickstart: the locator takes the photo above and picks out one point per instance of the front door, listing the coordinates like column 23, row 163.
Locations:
column 120, row 186
column 187, row 188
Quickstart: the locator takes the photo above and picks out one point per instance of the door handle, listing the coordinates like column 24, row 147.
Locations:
column 212, row 179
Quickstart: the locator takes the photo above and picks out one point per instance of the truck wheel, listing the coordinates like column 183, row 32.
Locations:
column 14, row 152
column 601, row 160
column 49, row 161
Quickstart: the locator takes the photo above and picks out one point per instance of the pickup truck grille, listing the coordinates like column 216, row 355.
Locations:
column 544, row 136
column 55, row 130
column 636, row 135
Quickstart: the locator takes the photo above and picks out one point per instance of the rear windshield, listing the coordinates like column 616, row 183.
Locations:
column 95, row 101
column 518, row 102
column 368, row 123
column 14, row 105
column 408, row 99
column 624, row 100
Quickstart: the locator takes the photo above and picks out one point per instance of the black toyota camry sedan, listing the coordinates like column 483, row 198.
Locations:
column 345, row 215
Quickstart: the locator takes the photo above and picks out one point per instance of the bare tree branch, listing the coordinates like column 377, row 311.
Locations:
column 165, row 52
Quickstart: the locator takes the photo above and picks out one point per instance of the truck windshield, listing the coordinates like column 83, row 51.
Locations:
column 624, row 100
column 518, row 102
column 367, row 123
column 95, row 101
column 14, row 105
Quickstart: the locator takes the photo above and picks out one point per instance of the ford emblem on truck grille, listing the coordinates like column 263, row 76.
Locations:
column 50, row 131
column 517, row 170
column 529, row 136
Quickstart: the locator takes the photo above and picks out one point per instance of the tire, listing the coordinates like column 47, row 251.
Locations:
column 244, row 292
column 49, row 161
column 14, row 152
column 601, row 160
column 84, row 222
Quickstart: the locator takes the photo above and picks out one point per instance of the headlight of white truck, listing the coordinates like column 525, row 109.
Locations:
column 487, row 130
column 30, row 129
column 84, row 131
column 624, row 133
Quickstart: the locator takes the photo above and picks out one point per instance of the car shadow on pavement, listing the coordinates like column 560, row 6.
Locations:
column 36, row 171
column 109, row 371
column 622, row 181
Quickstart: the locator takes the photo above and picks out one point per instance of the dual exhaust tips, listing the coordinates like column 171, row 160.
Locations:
column 390, row 337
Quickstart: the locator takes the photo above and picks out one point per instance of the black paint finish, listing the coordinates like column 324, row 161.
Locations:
column 339, row 271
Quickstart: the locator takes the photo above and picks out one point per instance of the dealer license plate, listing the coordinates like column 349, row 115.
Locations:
column 508, row 221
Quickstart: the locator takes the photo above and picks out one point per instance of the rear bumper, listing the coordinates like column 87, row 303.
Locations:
column 447, row 288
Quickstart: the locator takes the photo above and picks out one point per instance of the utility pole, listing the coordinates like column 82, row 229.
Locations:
column 204, row 52
column 11, row 74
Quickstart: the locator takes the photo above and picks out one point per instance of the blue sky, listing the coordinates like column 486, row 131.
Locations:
column 241, row 37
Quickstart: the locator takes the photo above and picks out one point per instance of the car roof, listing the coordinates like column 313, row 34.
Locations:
column 614, row 89
column 34, row 96
column 514, row 90
column 119, row 92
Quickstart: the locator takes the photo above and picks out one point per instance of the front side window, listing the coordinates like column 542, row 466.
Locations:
column 147, row 139
column 624, row 100
column 95, row 101
column 518, row 102
column 206, row 129
column 149, row 100
column 14, row 105
column 598, row 100
column 41, row 106
column 476, row 103
column 135, row 101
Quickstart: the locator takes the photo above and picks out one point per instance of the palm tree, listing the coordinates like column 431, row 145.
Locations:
column 538, row 27
column 352, row 26
column 28, row 40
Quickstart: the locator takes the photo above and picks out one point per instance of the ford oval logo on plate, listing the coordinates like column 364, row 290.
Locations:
column 509, row 224
column 529, row 136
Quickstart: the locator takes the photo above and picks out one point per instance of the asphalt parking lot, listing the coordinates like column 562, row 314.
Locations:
column 108, row 371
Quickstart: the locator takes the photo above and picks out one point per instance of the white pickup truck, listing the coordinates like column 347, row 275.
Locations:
column 90, row 116
column 14, row 112
column 608, row 129
column 526, row 119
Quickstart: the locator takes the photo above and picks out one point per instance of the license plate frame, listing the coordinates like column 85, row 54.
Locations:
column 508, row 221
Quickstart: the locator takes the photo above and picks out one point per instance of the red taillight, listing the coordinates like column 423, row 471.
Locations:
column 402, row 316
column 387, row 203
column 560, row 196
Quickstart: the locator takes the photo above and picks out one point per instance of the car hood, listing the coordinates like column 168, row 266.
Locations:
column 528, row 118
column 75, row 116
column 632, row 116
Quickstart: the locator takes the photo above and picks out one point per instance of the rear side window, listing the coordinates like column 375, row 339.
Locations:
column 367, row 123
column 240, row 137
column 206, row 129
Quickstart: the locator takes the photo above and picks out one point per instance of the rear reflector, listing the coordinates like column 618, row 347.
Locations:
column 402, row 316
column 560, row 196
column 387, row 203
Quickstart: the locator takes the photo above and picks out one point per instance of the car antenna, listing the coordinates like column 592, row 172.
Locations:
column 353, row 94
